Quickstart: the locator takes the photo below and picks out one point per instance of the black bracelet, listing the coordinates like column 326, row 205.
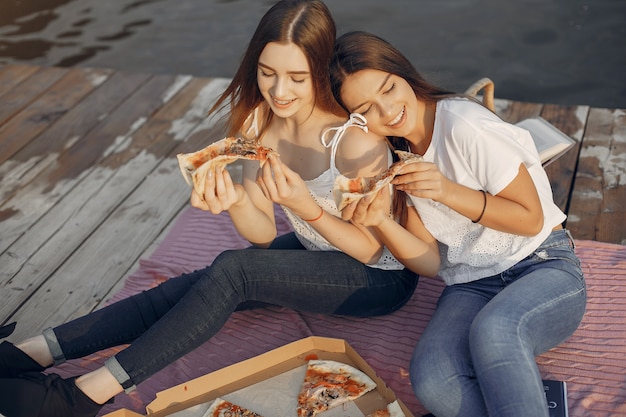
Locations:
column 484, row 207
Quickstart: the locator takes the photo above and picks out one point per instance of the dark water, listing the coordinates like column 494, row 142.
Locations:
column 552, row 51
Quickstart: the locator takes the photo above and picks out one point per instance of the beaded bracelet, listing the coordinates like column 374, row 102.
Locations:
column 316, row 218
column 484, row 207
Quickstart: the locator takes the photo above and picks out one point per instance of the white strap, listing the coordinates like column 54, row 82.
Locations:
column 254, row 125
column 355, row 119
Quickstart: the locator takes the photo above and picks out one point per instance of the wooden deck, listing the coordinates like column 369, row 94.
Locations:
column 90, row 181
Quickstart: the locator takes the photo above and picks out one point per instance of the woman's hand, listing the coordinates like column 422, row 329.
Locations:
column 220, row 193
column 285, row 187
column 423, row 179
column 370, row 210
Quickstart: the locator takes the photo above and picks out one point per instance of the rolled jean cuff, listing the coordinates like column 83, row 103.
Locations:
column 120, row 374
column 54, row 346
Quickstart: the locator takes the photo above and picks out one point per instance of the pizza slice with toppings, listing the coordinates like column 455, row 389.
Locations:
column 348, row 190
column 223, row 408
column 328, row 384
column 195, row 165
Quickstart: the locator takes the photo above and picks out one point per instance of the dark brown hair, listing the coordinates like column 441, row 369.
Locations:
column 356, row 51
column 305, row 23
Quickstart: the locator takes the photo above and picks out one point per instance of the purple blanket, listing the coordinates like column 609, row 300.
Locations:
column 592, row 361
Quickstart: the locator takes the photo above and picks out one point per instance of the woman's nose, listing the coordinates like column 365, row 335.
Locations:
column 280, row 87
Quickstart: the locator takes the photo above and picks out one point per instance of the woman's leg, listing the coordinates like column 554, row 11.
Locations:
column 478, row 350
column 324, row 282
column 116, row 324
column 441, row 370
column 321, row 282
column 542, row 306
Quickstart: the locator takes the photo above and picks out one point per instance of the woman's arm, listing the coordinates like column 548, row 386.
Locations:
column 516, row 209
column 413, row 245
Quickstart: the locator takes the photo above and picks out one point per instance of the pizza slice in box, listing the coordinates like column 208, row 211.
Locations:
column 393, row 410
column 223, row 408
column 347, row 190
column 328, row 384
column 195, row 165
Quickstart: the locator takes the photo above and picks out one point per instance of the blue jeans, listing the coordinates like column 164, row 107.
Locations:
column 164, row 323
column 476, row 357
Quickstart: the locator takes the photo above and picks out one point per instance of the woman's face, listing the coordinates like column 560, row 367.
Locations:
column 284, row 79
column 387, row 101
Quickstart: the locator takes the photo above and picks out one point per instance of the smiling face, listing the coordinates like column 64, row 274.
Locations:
column 284, row 79
column 387, row 101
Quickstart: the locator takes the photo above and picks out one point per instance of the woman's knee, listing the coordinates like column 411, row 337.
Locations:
column 427, row 371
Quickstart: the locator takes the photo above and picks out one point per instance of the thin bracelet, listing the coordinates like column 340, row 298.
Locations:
column 484, row 207
column 316, row 218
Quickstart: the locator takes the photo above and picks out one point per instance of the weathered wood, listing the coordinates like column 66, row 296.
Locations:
column 15, row 99
column 598, row 205
column 571, row 120
column 46, row 109
column 116, row 238
column 36, row 155
column 11, row 75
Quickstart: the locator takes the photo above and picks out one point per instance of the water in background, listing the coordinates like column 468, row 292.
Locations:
column 551, row 51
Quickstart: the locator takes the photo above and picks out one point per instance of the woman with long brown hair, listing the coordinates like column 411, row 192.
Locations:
column 514, row 286
column 280, row 96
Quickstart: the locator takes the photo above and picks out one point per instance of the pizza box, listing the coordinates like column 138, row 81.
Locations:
column 193, row 397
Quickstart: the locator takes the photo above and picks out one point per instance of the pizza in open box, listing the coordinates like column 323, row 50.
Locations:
column 195, row 165
column 347, row 190
column 328, row 384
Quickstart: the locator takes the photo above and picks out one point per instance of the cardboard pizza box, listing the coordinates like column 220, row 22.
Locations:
column 194, row 396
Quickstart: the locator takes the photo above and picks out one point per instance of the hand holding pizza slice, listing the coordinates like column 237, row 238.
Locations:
column 348, row 190
column 195, row 165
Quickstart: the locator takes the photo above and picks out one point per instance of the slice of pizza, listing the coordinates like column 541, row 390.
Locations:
column 393, row 410
column 223, row 408
column 347, row 190
column 328, row 384
column 195, row 165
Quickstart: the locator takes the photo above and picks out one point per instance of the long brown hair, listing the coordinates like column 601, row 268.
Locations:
column 356, row 51
column 305, row 23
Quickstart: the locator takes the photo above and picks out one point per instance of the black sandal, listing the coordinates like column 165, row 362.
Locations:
column 12, row 360
column 37, row 394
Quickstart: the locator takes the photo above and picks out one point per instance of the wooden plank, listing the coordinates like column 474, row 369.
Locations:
column 12, row 75
column 597, row 208
column 49, row 185
column 66, row 196
column 44, row 111
column 22, row 94
column 514, row 111
column 571, row 120
column 123, row 236
column 31, row 160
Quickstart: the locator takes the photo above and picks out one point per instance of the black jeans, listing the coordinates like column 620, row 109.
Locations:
column 166, row 322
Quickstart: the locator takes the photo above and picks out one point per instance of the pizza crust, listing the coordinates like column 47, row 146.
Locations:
column 348, row 190
column 195, row 165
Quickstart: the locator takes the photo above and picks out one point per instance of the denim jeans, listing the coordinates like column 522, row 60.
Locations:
column 476, row 357
column 164, row 323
